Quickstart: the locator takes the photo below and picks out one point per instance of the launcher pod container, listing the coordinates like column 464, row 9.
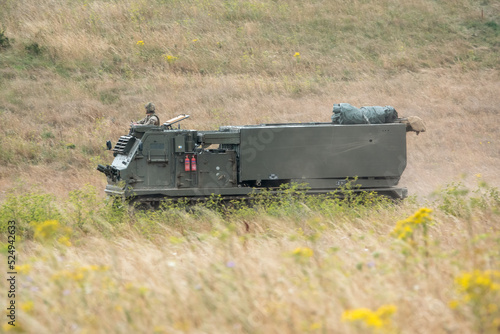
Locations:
column 159, row 162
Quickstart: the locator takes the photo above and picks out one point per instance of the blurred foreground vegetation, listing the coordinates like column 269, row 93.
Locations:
column 287, row 263
column 74, row 73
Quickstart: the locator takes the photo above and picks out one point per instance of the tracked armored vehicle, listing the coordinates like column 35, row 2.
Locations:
column 153, row 163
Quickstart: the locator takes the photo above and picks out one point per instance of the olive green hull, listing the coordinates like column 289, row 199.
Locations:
column 150, row 163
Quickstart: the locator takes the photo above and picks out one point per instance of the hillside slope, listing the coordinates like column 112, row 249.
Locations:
column 74, row 73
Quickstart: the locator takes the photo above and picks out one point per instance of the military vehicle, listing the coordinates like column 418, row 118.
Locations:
column 153, row 163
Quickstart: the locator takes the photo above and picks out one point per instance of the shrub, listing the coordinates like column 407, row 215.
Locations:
column 27, row 208
column 4, row 40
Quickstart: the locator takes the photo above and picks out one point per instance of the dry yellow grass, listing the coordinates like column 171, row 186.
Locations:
column 460, row 110
column 264, row 275
column 77, row 72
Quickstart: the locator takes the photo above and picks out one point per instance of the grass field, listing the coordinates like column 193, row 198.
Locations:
column 289, row 264
column 73, row 74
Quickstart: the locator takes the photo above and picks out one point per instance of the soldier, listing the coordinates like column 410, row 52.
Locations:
column 151, row 118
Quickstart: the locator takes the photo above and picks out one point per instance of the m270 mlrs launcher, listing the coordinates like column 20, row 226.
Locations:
column 365, row 145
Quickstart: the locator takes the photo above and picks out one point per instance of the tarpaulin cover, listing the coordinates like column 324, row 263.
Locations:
column 344, row 113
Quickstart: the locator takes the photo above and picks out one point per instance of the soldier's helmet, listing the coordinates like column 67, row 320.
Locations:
column 150, row 108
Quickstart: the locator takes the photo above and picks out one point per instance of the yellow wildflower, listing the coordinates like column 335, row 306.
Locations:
column 142, row 290
column 478, row 282
column 78, row 274
column 404, row 228
column 303, row 252
column 27, row 307
column 376, row 319
column 46, row 229
column 64, row 240
column 23, row 269
column 362, row 314
column 50, row 230
column 385, row 311
column 18, row 328
column 140, row 43
column 169, row 58
column 315, row 326
column 297, row 55
column 479, row 290
column 454, row 304
column 159, row 330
